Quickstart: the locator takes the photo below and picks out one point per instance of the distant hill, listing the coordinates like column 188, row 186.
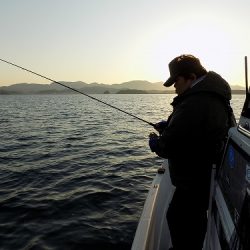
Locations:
column 141, row 85
column 92, row 88
column 132, row 87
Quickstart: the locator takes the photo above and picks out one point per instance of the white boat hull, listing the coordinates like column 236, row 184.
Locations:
column 152, row 231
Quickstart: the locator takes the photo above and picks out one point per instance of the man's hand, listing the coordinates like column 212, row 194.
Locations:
column 153, row 141
column 160, row 126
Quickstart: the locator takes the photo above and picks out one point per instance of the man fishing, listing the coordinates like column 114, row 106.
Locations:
column 192, row 139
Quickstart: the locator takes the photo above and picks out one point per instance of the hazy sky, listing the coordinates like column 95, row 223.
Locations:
column 113, row 41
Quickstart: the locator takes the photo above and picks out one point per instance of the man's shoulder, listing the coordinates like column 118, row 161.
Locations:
column 200, row 101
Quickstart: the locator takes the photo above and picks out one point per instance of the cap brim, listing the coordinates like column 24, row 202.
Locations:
column 170, row 81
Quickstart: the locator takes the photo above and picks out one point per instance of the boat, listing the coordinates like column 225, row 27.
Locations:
column 228, row 226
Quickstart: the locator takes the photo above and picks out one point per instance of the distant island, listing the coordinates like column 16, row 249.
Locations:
column 131, row 87
column 131, row 91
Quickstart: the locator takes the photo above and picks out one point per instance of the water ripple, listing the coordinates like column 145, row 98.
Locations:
column 75, row 174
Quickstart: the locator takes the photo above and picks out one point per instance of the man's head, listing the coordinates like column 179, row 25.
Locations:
column 184, row 70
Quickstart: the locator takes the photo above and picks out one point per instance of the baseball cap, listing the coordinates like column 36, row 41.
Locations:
column 183, row 64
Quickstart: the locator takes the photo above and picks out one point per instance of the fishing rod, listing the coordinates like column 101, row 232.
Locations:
column 245, row 111
column 78, row 91
column 246, row 75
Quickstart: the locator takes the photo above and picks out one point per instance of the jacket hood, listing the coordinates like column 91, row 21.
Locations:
column 212, row 83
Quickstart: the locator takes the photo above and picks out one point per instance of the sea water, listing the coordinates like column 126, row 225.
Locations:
column 74, row 173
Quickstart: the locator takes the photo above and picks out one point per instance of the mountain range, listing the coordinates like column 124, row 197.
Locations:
column 137, row 86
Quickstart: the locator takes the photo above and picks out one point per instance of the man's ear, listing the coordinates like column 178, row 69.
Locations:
column 193, row 76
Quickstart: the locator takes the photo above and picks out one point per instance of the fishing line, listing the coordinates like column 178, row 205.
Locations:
column 78, row 91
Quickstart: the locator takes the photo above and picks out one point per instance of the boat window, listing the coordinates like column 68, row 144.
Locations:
column 234, row 181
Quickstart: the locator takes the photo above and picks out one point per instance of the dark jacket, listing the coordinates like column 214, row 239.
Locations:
column 196, row 130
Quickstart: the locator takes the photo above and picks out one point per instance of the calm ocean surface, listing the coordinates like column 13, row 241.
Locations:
column 74, row 173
